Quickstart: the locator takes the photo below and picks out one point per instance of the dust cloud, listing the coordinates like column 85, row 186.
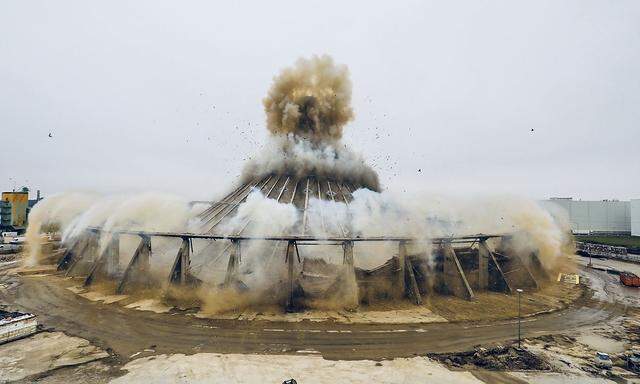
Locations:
column 307, row 109
column 71, row 214
column 312, row 100
column 53, row 214
column 420, row 216
column 425, row 216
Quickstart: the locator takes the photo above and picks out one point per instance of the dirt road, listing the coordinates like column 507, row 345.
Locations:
column 128, row 331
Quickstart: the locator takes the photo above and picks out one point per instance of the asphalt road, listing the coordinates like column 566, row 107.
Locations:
column 128, row 331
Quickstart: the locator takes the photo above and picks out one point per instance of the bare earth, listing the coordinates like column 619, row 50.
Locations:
column 141, row 341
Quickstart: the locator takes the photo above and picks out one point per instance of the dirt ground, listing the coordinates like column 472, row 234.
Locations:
column 435, row 308
column 554, row 358
column 129, row 331
column 151, row 341
column 496, row 306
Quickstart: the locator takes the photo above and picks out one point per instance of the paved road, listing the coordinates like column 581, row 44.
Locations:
column 128, row 331
column 606, row 286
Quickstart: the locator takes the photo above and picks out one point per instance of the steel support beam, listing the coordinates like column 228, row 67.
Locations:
column 536, row 264
column 71, row 253
column 87, row 253
column 291, row 248
column 350, row 275
column 525, row 278
column 501, row 275
column 454, row 276
column 532, row 280
column 180, row 269
column 234, row 263
column 109, row 259
column 139, row 265
column 296, row 238
column 113, row 255
column 483, row 265
column 414, row 291
column 347, row 258
column 401, row 273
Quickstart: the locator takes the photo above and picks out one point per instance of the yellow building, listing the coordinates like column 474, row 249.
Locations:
column 19, row 203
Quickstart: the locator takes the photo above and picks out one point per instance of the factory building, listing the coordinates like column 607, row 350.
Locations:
column 605, row 216
column 5, row 214
column 635, row 217
column 14, row 209
column 19, row 202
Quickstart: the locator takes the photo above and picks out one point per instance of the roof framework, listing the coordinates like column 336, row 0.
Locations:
column 284, row 189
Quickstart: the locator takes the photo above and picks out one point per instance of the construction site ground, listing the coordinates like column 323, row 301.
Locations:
column 435, row 308
column 142, row 344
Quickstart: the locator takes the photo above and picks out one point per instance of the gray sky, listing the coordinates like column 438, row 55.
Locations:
column 128, row 90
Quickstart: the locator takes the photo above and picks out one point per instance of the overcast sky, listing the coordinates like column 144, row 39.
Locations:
column 534, row 98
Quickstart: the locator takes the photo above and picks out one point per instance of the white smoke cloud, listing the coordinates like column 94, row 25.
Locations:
column 57, row 210
column 307, row 107
column 419, row 216
column 74, row 213
column 262, row 216
column 299, row 157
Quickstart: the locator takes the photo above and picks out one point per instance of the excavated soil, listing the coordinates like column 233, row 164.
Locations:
column 500, row 358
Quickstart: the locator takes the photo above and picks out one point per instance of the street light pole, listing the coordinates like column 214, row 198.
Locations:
column 519, row 292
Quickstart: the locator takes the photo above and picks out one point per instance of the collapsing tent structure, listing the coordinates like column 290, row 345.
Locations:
column 459, row 266
column 306, row 167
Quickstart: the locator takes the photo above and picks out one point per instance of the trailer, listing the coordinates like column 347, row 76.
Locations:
column 16, row 325
column 629, row 279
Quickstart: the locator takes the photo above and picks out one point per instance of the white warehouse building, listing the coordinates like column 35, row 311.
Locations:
column 635, row 217
column 606, row 216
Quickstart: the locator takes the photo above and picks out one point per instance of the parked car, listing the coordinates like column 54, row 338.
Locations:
column 603, row 360
column 633, row 361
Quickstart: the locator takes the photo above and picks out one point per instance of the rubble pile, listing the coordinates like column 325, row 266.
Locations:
column 499, row 358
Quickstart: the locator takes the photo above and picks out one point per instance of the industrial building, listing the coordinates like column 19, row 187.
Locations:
column 604, row 216
column 635, row 217
column 14, row 209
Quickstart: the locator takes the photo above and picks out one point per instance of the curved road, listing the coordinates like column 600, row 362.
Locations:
column 129, row 331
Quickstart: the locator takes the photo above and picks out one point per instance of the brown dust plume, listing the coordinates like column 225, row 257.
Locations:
column 312, row 99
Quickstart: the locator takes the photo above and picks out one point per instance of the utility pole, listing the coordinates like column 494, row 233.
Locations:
column 519, row 333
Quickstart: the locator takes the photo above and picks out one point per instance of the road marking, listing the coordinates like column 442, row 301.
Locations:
column 310, row 351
